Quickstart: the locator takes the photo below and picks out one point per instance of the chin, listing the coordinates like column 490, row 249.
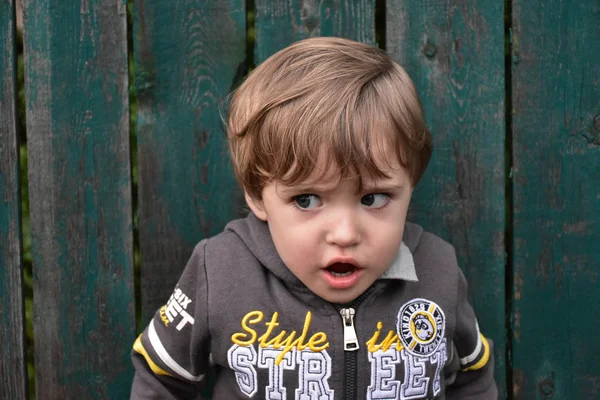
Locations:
column 341, row 298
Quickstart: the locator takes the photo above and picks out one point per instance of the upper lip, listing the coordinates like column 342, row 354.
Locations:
column 343, row 260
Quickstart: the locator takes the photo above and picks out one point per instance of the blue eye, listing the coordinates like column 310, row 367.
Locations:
column 307, row 201
column 375, row 200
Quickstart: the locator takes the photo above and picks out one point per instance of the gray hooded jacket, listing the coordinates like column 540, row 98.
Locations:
column 240, row 315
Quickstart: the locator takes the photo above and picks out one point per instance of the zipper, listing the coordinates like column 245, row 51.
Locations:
column 347, row 312
column 350, row 339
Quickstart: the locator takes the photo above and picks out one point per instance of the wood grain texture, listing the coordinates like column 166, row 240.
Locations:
column 454, row 51
column 282, row 22
column 13, row 375
column 80, row 193
column 188, row 55
column 556, row 131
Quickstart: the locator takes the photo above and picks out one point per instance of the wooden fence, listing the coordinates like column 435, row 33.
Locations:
column 511, row 92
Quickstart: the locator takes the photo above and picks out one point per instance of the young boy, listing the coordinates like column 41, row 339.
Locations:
column 323, row 291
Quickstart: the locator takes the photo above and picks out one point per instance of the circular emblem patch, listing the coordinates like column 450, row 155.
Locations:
column 420, row 326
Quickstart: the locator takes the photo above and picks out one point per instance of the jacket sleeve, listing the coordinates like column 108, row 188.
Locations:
column 171, row 356
column 473, row 363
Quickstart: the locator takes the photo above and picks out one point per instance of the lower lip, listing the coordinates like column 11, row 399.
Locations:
column 342, row 282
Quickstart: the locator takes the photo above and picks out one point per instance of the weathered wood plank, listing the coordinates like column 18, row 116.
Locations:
column 80, row 194
column 13, row 375
column 281, row 22
column 188, row 55
column 556, row 131
column 454, row 51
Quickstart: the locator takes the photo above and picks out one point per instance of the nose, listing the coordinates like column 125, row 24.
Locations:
column 344, row 230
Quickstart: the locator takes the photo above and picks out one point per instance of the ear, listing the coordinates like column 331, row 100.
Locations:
column 257, row 207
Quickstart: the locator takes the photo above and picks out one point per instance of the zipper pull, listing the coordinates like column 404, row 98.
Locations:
column 350, row 339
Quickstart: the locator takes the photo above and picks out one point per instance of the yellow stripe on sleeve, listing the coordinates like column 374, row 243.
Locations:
column 139, row 348
column 486, row 356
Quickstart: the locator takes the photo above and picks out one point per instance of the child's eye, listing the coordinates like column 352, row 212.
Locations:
column 375, row 200
column 307, row 201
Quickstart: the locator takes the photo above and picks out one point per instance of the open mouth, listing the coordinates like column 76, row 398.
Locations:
column 341, row 269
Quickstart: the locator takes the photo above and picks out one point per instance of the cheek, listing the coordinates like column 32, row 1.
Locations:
column 293, row 242
column 389, row 237
column 388, row 248
column 389, row 226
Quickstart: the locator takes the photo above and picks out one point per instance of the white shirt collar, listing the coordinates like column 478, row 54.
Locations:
column 403, row 266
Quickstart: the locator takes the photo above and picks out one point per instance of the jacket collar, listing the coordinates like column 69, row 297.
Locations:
column 403, row 266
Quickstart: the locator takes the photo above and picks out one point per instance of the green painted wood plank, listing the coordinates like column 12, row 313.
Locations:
column 188, row 57
column 80, row 194
column 455, row 55
column 281, row 22
column 556, row 131
column 13, row 373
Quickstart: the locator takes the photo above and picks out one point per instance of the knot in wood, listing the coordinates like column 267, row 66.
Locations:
column 430, row 49
column 547, row 388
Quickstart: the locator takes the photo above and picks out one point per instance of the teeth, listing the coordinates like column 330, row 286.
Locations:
column 340, row 273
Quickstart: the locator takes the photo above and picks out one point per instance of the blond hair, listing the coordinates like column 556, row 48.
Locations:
column 325, row 94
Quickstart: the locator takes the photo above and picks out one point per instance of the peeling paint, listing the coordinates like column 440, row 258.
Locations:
column 578, row 228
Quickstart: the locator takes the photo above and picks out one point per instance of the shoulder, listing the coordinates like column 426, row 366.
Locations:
column 215, row 245
column 225, row 249
column 434, row 257
column 238, row 249
column 426, row 244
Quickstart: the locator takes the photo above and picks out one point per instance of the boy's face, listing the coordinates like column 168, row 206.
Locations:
column 337, row 242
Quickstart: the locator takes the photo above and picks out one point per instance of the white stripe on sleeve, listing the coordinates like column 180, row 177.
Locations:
column 166, row 358
column 475, row 353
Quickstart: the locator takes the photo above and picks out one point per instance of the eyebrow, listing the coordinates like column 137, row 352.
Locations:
column 383, row 187
column 306, row 188
column 322, row 188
